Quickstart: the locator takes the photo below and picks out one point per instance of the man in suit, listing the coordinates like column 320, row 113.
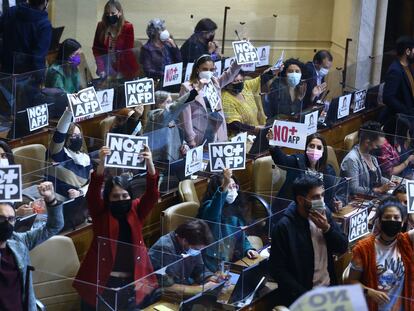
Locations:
column 316, row 71
column 398, row 93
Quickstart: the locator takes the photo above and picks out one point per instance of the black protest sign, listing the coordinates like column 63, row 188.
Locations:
column 139, row 92
column 84, row 103
column 11, row 183
column 245, row 52
column 125, row 151
column 359, row 100
column 410, row 196
column 212, row 95
column 358, row 225
column 231, row 155
column 38, row 117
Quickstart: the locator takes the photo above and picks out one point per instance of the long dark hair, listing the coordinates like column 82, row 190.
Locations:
column 321, row 164
column 120, row 181
column 201, row 60
column 5, row 146
column 66, row 49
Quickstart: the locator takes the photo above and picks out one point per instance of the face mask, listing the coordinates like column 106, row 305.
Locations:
column 6, row 231
column 75, row 144
column 192, row 252
column 314, row 154
column 4, row 162
column 75, row 60
column 164, row 35
column 391, row 228
column 205, row 75
column 293, row 78
column 231, row 196
column 120, row 208
column 236, row 88
column 112, row 19
column 323, row 72
column 318, row 205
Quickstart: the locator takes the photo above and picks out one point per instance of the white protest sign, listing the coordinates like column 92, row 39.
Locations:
column 245, row 52
column 410, row 196
column 289, row 134
column 359, row 100
column 11, row 183
column 212, row 95
column 38, row 117
column 263, row 52
column 358, row 225
column 84, row 103
column 106, row 98
column 311, row 121
column 344, row 102
column 217, row 70
column 139, row 92
column 242, row 137
column 231, row 155
column 334, row 298
column 228, row 62
column 194, row 161
column 188, row 71
column 279, row 62
column 125, row 151
column 249, row 67
column 173, row 74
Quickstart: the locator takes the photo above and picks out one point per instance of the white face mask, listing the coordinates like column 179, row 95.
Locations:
column 318, row 205
column 293, row 78
column 4, row 162
column 231, row 196
column 323, row 72
column 164, row 35
column 205, row 75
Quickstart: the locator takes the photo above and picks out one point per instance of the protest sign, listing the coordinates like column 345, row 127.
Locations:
column 249, row 67
column 194, row 161
column 289, row 134
column 344, row 102
column 241, row 137
column 125, row 151
column 84, row 103
column 410, row 196
column 139, row 92
column 106, row 98
column 335, row 298
column 279, row 62
column 231, row 155
column 38, row 117
column 263, row 52
column 217, row 71
column 358, row 225
column 228, row 62
column 188, row 71
column 173, row 74
column 11, row 183
column 359, row 100
column 212, row 95
column 245, row 52
column 311, row 121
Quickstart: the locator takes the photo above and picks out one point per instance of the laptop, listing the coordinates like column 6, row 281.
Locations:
column 24, row 224
column 203, row 301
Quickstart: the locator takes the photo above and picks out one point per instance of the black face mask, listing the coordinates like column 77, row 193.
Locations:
column 120, row 208
column 377, row 152
column 75, row 144
column 112, row 19
column 236, row 88
column 6, row 231
column 391, row 228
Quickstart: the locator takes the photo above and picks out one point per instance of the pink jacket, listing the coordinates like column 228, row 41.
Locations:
column 194, row 118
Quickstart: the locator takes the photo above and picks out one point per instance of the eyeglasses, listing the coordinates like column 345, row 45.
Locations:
column 11, row 219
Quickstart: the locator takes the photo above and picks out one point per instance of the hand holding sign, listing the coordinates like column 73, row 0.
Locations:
column 84, row 103
column 147, row 155
column 227, row 174
column 230, row 155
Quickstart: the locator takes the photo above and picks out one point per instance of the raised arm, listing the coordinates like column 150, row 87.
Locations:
column 229, row 74
column 59, row 137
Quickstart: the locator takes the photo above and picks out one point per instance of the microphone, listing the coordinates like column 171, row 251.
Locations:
column 237, row 34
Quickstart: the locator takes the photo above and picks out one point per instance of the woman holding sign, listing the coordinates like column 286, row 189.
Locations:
column 204, row 119
column 383, row 264
column 118, row 217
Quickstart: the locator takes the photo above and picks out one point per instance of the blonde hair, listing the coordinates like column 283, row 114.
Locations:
column 117, row 5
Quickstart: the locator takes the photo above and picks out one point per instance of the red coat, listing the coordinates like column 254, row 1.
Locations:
column 125, row 61
column 105, row 229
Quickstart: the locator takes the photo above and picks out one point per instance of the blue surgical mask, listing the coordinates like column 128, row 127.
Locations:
column 192, row 252
column 323, row 72
column 293, row 78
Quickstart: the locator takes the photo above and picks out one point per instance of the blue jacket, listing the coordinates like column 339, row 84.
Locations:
column 291, row 261
column 27, row 34
column 21, row 243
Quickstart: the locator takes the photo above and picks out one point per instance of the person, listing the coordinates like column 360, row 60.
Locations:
column 286, row 94
column 113, row 44
column 201, row 42
column 243, row 111
column 64, row 72
column 105, row 101
column 128, row 121
column 27, row 34
column 313, row 162
column 311, row 121
column 200, row 121
column 189, row 275
column 6, row 154
column 116, row 216
column 16, row 294
column 361, row 167
column 72, row 173
column 304, row 241
column 383, row 263
column 194, row 157
column 400, row 193
column 343, row 108
column 225, row 210
column 316, row 72
column 398, row 94
column 159, row 51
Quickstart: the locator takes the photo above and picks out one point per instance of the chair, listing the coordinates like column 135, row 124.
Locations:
column 105, row 126
column 333, row 160
column 178, row 214
column 267, row 177
column 187, row 191
column 350, row 140
column 58, row 257
column 32, row 158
